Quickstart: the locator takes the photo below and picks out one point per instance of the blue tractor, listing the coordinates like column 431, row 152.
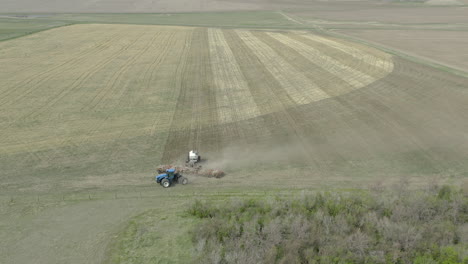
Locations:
column 170, row 177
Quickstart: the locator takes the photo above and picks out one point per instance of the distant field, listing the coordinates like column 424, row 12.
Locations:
column 224, row 19
column 384, row 13
column 13, row 28
column 14, row 25
column 124, row 6
column 446, row 47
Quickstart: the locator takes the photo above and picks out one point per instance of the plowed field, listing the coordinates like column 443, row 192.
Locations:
column 91, row 105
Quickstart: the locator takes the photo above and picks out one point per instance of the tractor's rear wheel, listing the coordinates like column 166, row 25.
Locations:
column 183, row 180
column 165, row 183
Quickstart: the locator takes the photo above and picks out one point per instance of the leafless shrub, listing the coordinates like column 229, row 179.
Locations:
column 396, row 226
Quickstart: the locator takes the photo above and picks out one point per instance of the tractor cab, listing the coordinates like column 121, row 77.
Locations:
column 168, row 175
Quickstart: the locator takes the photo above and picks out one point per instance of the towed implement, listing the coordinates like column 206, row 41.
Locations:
column 192, row 158
column 196, row 170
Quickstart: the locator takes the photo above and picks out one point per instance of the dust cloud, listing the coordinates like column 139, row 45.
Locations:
column 236, row 156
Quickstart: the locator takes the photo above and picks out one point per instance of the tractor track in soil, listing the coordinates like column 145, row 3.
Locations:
column 178, row 82
column 182, row 122
column 46, row 75
column 118, row 75
column 85, row 76
column 165, row 57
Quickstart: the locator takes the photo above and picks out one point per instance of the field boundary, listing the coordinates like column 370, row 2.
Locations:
column 146, row 192
column 403, row 54
column 288, row 28
column 76, row 20
column 39, row 30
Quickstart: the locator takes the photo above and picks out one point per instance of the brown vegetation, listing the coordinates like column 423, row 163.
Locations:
column 398, row 226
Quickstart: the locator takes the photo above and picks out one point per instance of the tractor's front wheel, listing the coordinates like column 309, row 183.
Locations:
column 183, row 180
column 165, row 183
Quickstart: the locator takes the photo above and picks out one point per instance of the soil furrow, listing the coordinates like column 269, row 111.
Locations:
column 32, row 82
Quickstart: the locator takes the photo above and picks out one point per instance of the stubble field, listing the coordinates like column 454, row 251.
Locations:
column 88, row 111
column 90, row 106
column 87, row 102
